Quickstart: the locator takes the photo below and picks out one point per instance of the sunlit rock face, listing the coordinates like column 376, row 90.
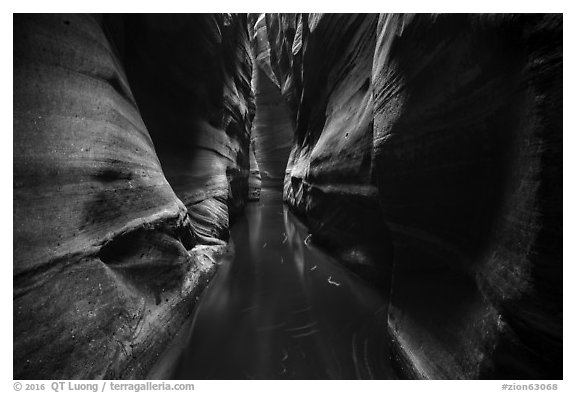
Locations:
column 272, row 130
column 107, row 259
column 191, row 78
column 442, row 135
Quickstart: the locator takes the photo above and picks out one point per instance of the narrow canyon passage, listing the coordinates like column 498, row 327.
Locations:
column 281, row 308
column 288, row 196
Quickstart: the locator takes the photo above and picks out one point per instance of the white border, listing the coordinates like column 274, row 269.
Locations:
column 6, row 36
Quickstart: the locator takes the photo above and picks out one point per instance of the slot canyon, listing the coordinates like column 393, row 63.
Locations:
column 287, row 196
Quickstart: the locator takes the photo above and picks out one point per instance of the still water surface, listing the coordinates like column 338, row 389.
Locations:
column 280, row 308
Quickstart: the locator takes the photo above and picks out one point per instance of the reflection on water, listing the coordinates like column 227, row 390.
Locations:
column 281, row 308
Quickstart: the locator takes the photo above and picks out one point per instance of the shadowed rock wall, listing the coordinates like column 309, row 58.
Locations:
column 191, row 78
column 107, row 264
column 323, row 65
column 430, row 147
column 255, row 180
column 272, row 130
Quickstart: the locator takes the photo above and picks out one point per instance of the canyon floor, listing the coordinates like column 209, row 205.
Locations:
column 282, row 308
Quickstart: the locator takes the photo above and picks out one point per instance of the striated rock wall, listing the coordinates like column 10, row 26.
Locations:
column 191, row 78
column 428, row 149
column 255, row 180
column 323, row 64
column 272, row 130
column 477, row 129
column 108, row 261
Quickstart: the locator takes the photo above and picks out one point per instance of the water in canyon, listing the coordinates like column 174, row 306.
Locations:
column 281, row 308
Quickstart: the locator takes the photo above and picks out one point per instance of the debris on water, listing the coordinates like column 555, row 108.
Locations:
column 264, row 245
column 303, row 328
column 302, row 310
column 284, row 355
column 333, row 282
column 305, row 334
column 314, row 267
column 307, row 239
column 248, row 309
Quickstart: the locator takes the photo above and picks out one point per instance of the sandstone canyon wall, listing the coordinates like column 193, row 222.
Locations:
column 112, row 217
column 191, row 78
column 324, row 79
column 273, row 129
column 428, row 153
column 424, row 151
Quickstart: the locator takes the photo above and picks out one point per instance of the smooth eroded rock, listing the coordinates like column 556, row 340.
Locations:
column 468, row 139
column 106, row 262
column 330, row 173
column 191, row 75
column 430, row 148
column 272, row 129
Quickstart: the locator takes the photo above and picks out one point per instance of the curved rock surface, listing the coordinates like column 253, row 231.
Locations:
column 424, row 150
column 191, row 78
column 255, row 180
column 272, row 130
column 477, row 128
column 107, row 264
column 324, row 67
column 430, row 147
